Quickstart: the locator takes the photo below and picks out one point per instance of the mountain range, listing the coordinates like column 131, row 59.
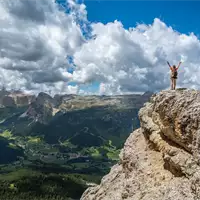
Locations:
column 68, row 140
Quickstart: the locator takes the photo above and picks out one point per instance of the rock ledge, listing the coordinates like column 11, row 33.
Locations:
column 159, row 161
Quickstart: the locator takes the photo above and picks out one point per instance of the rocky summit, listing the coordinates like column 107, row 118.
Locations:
column 160, row 160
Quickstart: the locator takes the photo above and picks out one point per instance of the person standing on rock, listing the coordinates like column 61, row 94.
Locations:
column 174, row 74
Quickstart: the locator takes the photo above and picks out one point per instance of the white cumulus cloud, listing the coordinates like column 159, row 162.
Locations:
column 35, row 39
column 134, row 60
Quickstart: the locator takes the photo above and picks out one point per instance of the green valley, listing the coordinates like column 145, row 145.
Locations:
column 55, row 147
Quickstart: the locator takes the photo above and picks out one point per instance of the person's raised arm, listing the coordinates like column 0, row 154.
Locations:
column 179, row 65
column 169, row 64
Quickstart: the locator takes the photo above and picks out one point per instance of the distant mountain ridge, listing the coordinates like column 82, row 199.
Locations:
column 64, row 117
column 15, row 99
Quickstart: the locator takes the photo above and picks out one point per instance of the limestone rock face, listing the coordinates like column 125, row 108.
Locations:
column 42, row 108
column 159, row 161
column 16, row 100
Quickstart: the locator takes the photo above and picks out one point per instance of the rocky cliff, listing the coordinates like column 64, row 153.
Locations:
column 15, row 99
column 159, row 161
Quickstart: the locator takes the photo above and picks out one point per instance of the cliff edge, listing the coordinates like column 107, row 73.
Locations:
column 159, row 161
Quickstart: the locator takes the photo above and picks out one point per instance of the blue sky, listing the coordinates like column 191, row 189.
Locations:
column 183, row 16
